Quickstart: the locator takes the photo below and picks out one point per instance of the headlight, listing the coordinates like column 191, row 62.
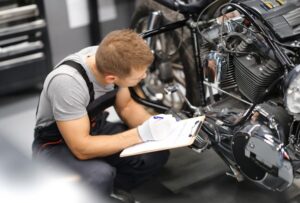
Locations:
column 292, row 92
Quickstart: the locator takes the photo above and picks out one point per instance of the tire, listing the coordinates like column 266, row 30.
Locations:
column 172, row 49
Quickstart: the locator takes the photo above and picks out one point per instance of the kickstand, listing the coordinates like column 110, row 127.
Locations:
column 235, row 174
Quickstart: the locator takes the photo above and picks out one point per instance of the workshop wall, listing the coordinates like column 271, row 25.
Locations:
column 65, row 40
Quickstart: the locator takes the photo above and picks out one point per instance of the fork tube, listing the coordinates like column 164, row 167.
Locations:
column 198, row 65
column 153, row 23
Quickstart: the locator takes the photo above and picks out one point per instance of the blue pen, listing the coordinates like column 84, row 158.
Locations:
column 158, row 117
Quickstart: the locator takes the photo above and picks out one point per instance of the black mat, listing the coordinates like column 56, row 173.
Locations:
column 193, row 178
column 186, row 167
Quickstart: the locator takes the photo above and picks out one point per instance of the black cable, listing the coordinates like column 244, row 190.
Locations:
column 198, row 20
column 285, row 45
column 205, row 9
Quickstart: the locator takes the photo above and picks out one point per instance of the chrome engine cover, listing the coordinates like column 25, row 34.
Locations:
column 261, row 157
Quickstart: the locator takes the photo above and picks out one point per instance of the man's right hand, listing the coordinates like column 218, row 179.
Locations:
column 156, row 127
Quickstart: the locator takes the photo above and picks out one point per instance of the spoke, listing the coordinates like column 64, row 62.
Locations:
column 179, row 80
column 177, row 66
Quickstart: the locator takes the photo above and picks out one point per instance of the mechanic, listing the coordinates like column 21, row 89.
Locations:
column 71, row 125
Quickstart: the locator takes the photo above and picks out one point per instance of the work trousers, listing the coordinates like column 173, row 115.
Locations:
column 103, row 174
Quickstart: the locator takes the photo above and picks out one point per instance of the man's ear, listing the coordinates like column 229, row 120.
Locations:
column 110, row 79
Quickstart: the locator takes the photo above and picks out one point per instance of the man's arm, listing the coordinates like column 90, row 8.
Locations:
column 84, row 146
column 68, row 104
column 130, row 112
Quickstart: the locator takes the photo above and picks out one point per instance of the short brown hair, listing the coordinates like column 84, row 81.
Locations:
column 122, row 50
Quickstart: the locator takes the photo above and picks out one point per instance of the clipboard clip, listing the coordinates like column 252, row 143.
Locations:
column 196, row 128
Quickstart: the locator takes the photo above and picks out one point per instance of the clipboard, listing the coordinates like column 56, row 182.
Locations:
column 182, row 134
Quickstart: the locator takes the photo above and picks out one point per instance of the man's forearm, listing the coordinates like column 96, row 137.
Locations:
column 135, row 116
column 105, row 145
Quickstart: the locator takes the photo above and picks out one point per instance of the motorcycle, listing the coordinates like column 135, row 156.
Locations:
column 244, row 77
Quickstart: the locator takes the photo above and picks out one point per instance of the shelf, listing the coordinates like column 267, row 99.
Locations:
column 18, row 76
column 18, row 13
column 25, row 27
column 20, row 48
column 13, row 40
column 21, row 61
column 25, row 55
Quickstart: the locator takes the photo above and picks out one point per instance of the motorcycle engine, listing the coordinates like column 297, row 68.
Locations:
column 241, row 62
column 253, row 66
column 254, row 73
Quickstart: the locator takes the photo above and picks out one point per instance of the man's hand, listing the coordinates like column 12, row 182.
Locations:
column 156, row 127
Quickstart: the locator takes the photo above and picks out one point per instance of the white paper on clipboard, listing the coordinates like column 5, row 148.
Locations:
column 182, row 134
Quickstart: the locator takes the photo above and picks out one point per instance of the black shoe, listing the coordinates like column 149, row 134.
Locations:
column 123, row 196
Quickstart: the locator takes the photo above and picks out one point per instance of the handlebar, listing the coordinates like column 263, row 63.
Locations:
column 168, row 3
column 180, row 6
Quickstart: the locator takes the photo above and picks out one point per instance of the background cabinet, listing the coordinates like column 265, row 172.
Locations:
column 25, row 56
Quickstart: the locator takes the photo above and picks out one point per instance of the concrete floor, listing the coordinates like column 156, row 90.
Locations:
column 188, row 177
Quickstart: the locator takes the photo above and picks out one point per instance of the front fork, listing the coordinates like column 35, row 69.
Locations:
column 198, row 65
column 154, row 22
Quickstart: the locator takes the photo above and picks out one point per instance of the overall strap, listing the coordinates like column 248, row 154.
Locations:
column 82, row 71
column 50, row 135
column 102, row 103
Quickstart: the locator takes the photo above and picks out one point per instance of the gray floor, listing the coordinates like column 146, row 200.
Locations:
column 188, row 176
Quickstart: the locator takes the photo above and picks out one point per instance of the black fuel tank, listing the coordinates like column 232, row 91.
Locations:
column 283, row 16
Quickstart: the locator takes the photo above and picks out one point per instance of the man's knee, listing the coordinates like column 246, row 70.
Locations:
column 156, row 159
column 101, row 177
column 163, row 157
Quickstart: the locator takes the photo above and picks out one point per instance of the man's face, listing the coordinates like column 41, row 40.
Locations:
column 133, row 79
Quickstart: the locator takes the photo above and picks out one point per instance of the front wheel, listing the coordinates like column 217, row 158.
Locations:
column 173, row 57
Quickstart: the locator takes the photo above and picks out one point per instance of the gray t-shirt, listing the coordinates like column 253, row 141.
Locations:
column 65, row 94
